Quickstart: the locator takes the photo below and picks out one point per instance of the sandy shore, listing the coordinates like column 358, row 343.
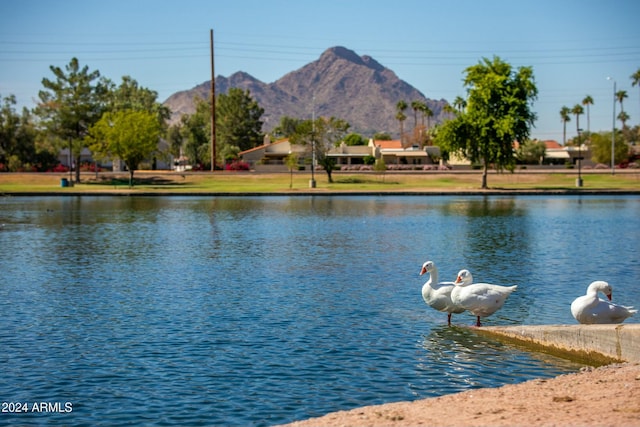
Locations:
column 606, row 396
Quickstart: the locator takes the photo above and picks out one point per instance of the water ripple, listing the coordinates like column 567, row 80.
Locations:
column 259, row 311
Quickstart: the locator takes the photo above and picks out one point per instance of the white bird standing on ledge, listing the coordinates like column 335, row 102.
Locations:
column 481, row 299
column 436, row 294
column 589, row 309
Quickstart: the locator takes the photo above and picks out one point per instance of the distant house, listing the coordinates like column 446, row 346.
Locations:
column 272, row 155
column 86, row 156
column 394, row 153
column 556, row 154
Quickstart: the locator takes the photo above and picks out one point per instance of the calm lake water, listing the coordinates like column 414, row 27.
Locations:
column 263, row 310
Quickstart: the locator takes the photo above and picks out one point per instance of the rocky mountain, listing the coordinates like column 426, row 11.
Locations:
column 340, row 83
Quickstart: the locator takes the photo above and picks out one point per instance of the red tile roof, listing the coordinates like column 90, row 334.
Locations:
column 393, row 144
column 550, row 143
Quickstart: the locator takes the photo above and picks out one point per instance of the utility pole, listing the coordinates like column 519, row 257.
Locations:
column 213, row 107
column 312, row 182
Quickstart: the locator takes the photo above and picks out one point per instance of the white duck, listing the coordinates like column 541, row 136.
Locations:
column 436, row 294
column 481, row 299
column 589, row 309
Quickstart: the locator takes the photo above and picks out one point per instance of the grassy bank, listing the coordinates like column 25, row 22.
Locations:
column 251, row 182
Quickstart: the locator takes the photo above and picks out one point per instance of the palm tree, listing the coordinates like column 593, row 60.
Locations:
column 401, row 106
column 428, row 113
column 621, row 95
column 450, row 109
column 635, row 78
column 623, row 117
column 588, row 100
column 577, row 110
column 460, row 103
column 416, row 106
column 565, row 117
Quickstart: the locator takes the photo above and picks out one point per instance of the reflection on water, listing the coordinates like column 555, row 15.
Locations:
column 264, row 310
column 459, row 359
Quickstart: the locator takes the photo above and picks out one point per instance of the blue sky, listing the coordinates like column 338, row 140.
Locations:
column 572, row 45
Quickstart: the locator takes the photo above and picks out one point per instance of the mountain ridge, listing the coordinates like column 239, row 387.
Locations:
column 340, row 83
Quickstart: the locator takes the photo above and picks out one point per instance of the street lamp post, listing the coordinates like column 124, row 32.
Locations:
column 290, row 166
column 613, row 130
column 579, row 180
column 312, row 182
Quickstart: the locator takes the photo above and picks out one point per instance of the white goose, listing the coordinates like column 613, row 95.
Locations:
column 436, row 294
column 589, row 309
column 481, row 299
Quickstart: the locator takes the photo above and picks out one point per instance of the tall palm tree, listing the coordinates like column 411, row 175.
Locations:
column 588, row 100
column 401, row 106
column 428, row 113
column 635, row 78
column 416, row 106
column 577, row 110
column 565, row 117
column 620, row 96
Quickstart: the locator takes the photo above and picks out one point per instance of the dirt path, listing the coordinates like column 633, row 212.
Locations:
column 606, row 396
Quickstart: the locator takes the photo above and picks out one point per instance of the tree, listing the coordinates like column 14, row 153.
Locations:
column 195, row 134
column 635, row 78
column 382, row 136
column 426, row 112
column 70, row 105
column 565, row 117
column 286, row 127
column 174, row 136
column 323, row 134
column 19, row 145
column 9, row 125
column 129, row 135
column 417, row 106
column 130, row 96
column 623, row 117
column 578, row 111
column 238, row 121
column 355, row 139
column 380, row 167
column 292, row 164
column 621, row 95
column 531, row 152
column 459, row 104
column 587, row 101
column 601, row 148
column 401, row 106
column 238, row 128
column 498, row 113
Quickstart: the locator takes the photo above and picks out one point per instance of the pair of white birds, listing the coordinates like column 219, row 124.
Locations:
column 484, row 299
column 481, row 299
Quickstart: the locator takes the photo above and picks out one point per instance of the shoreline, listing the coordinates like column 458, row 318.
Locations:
column 566, row 400
column 604, row 396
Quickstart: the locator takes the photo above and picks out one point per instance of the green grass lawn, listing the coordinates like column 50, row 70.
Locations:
column 234, row 182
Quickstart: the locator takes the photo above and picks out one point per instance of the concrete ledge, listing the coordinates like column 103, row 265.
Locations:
column 593, row 344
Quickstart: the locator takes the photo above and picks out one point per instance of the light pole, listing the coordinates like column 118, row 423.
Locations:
column 312, row 182
column 579, row 181
column 613, row 130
